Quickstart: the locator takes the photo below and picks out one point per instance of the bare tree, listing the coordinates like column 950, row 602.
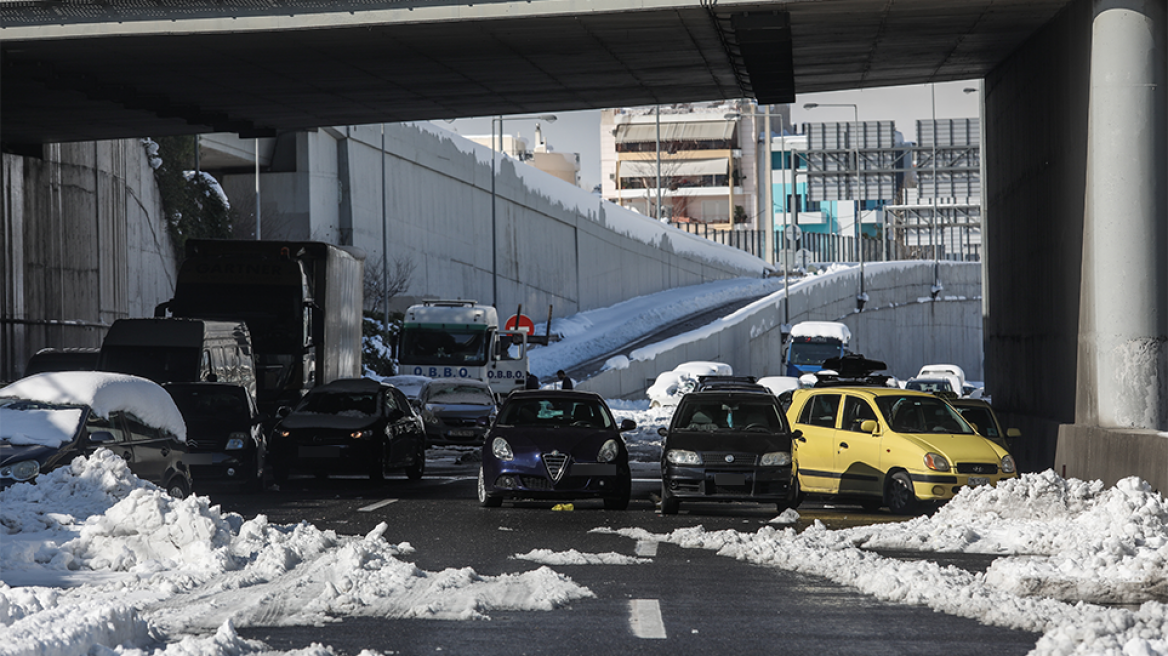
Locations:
column 379, row 287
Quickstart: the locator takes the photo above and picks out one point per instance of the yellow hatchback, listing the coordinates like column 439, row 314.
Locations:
column 888, row 447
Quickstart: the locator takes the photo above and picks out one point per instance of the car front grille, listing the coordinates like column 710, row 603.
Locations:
column 536, row 483
column 982, row 468
column 722, row 459
column 556, row 463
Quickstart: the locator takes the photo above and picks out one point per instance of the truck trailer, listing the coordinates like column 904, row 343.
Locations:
column 301, row 300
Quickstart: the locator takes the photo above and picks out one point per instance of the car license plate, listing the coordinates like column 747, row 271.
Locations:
column 461, row 432
column 975, row 481
column 730, row 480
column 320, row 452
column 589, row 469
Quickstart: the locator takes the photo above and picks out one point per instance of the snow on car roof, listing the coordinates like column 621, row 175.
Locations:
column 822, row 329
column 105, row 393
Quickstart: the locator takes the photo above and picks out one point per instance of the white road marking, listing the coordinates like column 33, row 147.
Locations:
column 646, row 548
column 645, row 619
column 374, row 506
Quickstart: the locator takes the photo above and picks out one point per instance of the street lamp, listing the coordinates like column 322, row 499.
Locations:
column 769, row 228
column 550, row 118
column 861, row 298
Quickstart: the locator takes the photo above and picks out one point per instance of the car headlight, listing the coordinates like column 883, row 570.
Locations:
column 936, row 462
column 608, row 452
column 1007, row 464
column 235, row 441
column 775, row 459
column 361, row 434
column 21, row 471
column 502, row 450
column 283, row 433
column 682, row 457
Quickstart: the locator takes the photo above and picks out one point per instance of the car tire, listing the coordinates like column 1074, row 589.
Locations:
column 902, row 500
column 797, row 496
column 414, row 472
column 178, row 487
column 669, row 503
column 487, row 500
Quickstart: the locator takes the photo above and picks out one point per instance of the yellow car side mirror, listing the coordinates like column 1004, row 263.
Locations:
column 1013, row 432
column 869, row 426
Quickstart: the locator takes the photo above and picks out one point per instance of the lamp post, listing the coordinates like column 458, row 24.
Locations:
column 861, row 298
column 769, row 245
column 550, row 118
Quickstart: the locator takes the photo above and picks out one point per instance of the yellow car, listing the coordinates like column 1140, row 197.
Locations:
column 888, row 447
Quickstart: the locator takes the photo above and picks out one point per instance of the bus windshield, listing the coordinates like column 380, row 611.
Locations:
column 443, row 347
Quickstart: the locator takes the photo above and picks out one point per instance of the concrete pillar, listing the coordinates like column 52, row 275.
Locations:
column 1123, row 353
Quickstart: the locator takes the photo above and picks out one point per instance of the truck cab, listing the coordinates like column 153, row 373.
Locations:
column 462, row 339
column 811, row 343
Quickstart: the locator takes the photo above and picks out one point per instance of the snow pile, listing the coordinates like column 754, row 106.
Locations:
column 131, row 566
column 1063, row 538
column 573, row 557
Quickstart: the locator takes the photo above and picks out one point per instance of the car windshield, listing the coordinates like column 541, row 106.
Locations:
column 555, row 412
column 813, row 353
column 731, row 416
column 459, row 395
column 982, row 419
column 25, row 423
column 346, row 404
column 929, row 385
column 217, row 402
column 921, row 414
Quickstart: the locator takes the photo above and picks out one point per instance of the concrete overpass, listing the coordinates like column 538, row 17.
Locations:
column 1075, row 298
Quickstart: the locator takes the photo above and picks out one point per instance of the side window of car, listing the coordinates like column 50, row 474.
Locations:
column 820, row 410
column 112, row 425
column 390, row 402
column 856, row 412
column 139, row 430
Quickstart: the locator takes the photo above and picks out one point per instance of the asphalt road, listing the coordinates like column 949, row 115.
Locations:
column 685, row 601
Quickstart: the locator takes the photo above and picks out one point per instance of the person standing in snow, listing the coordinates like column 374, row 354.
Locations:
column 565, row 382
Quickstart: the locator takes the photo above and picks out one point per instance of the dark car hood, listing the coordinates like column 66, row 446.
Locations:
column 585, row 442
column 311, row 420
column 742, row 442
column 11, row 453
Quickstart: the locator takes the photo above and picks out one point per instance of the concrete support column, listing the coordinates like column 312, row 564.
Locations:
column 1123, row 353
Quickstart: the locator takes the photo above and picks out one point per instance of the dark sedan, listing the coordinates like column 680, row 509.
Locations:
column 455, row 411
column 726, row 446
column 351, row 425
column 225, row 439
column 558, row 446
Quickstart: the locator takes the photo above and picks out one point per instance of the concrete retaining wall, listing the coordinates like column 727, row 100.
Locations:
column 901, row 324
column 556, row 244
column 82, row 244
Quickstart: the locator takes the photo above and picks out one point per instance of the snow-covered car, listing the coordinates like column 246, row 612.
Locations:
column 670, row 386
column 943, row 384
column 456, row 411
column 556, row 445
column 48, row 419
column 409, row 385
column 349, row 425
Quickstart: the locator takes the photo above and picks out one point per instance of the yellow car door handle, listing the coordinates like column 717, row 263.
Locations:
column 843, row 445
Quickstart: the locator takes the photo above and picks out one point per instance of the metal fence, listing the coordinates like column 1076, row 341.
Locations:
column 951, row 243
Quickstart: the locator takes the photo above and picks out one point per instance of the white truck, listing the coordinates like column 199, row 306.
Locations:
column 812, row 342
column 462, row 339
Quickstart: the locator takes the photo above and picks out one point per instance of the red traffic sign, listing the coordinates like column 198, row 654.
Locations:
column 520, row 322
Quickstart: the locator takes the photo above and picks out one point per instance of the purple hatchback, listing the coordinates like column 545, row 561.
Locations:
column 557, row 446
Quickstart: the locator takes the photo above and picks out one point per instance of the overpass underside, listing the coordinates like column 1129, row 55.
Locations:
column 1076, row 289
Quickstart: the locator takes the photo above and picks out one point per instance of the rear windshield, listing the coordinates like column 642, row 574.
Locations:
column 584, row 413
column 731, row 415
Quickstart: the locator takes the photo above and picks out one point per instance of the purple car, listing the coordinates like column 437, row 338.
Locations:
column 556, row 445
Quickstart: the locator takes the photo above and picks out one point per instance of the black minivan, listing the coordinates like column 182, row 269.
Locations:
column 726, row 446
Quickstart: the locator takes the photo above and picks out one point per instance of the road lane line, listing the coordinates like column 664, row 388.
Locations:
column 646, row 548
column 374, row 506
column 645, row 619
